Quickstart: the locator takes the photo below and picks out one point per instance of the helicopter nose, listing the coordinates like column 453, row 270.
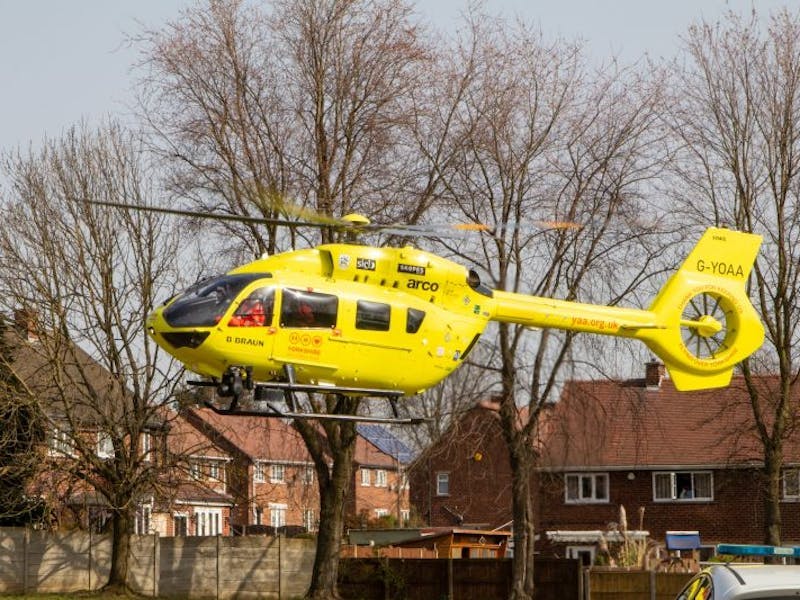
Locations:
column 160, row 331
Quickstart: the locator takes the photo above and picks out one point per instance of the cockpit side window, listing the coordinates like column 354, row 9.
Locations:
column 255, row 310
column 308, row 309
column 203, row 304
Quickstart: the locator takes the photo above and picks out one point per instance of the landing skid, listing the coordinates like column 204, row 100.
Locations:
column 236, row 380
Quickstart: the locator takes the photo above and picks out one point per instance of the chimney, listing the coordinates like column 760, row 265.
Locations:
column 654, row 372
column 25, row 322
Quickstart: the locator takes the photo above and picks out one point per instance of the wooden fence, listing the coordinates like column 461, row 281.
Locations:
column 458, row 579
column 634, row 585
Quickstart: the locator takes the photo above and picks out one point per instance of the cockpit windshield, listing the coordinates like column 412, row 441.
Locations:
column 203, row 304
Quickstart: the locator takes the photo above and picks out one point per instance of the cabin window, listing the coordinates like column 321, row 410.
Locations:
column 582, row 488
column 414, row 318
column 255, row 310
column 308, row 309
column 682, row 486
column 373, row 316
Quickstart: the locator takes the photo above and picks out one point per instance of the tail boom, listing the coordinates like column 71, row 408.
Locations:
column 701, row 323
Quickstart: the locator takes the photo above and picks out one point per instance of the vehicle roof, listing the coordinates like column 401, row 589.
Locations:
column 739, row 582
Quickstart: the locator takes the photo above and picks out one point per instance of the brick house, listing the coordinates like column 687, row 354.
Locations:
column 198, row 503
column 464, row 480
column 380, row 487
column 690, row 460
column 272, row 480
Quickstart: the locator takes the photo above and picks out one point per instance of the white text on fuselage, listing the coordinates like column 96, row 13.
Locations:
column 245, row 341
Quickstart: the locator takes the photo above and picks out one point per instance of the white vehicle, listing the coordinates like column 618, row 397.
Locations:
column 726, row 581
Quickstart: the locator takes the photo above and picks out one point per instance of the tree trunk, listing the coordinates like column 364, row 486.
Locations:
column 773, row 459
column 333, row 493
column 122, row 525
column 522, row 512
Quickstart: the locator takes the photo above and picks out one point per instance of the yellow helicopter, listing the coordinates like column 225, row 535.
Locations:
column 355, row 319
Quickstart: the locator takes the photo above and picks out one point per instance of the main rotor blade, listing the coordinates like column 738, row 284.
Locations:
column 218, row 216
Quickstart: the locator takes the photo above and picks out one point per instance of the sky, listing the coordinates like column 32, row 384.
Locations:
column 62, row 62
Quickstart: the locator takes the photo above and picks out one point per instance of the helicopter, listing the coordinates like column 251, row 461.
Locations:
column 353, row 319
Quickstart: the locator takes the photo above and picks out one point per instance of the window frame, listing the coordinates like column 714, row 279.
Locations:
column 381, row 478
column 277, row 514
column 310, row 520
column 61, row 443
column 209, row 520
column 673, row 482
column 794, row 472
column 592, row 497
column 442, row 477
column 277, row 473
column 259, row 476
column 366, row 477
column 104, row 446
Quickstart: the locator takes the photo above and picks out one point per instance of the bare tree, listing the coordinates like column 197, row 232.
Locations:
column 85, row 279
column 736, row 121
column 20, row 438
column 542, row 141
column 307, row 110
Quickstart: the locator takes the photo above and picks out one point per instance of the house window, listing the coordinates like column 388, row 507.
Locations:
column 213, row 470
column 405, row 516
column 365, row 477
column 258, row 473
column 381, row 512
column 277, row 515
column 791, row 484
column 277, row 473
column 194, row 470
column 105, row 446
column 308, row 475
column 442, row 484
column 208, row 521
column 309, row 520
column 147, row 445
column 583, row 488
column 380, row 478
column 585, row 554
column 180, row 524
column 680, row 486
column 61, row 443
column 141, row 525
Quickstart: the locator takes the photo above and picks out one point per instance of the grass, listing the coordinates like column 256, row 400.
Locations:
column 72, row 596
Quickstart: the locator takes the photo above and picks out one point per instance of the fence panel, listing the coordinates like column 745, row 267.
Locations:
column 633, row 585
column 668, row 585
column 558, row 579
column 13, row 560
column 465, row 578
